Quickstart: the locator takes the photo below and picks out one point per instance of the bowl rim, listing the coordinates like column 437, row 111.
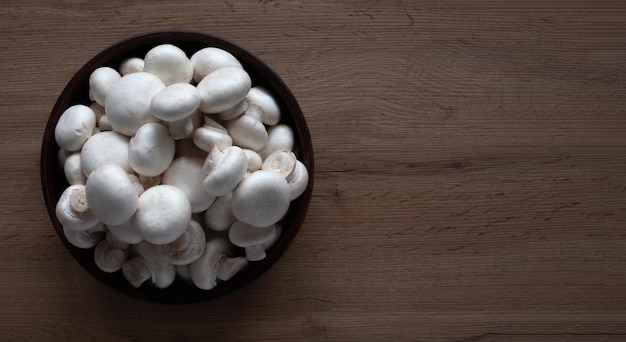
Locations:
column 179, row 293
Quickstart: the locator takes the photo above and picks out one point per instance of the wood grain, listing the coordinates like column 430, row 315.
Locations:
column 470, row 171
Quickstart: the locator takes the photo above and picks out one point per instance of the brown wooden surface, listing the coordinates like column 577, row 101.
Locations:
column 470, row 171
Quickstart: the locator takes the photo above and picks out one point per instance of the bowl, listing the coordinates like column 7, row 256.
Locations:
column 76, row 92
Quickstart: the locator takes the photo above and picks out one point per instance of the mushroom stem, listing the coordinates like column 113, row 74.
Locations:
column 136, row 271
column 78, row 202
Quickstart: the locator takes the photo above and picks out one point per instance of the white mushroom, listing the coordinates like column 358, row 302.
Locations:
column 126, row 232
column 210, row 135
column 223, row 89
column 147, row 264
column 105, row 148
column 111, row 195
column 73, row 211
column 136, row 183
column 98, row 110
column 209, row 59
column 72, row 169
column 278, row 137
column 261, row 199
column 128, row 101
column 163, row 214
column 84, row 239
column 151, row 150
column 104, row 124
column 187, row 248
column 251, row 239
column 186, row 174
column 254, row 160
column 100, row 81
column 281, row 161
column 169, row 63
column 233, row 112
column 131, row 65
column 247, row 132
column 298, row 180
column 114, row 241
column 216, row 255
column 184, row 128
column 222, row 171
column 108, row 258
column 259, row 99
column 74, row 127
column 219, row 217
column 175, row 102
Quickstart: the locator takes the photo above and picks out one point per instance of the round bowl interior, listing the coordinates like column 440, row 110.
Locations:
column 76, row 92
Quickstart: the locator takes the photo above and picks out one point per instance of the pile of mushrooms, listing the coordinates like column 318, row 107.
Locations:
column 179, row 167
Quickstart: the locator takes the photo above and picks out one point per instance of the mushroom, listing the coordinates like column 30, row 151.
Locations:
column 163, row 214
column 278, row 137
column 136, row 183
column 151, row 150
column 72, row 209
column 105, row 148
column 85, row 239
column 98, row 110
column 100, row 81
column 147, row 264
column 175, row 102
column 247, row 132
column 187, row 248
column 126, row 232
column 73, row 172
column 111, row 195
column 184, row 128
column 254, row 160
column 287, row 165
column 108, row 258
column 223, row 89
column 128, row 101
column 210, row 135
column 209, row 59
column 261, row 199
column 114, row 241
column 233, row 112
column 74, row 127
column 131, row 65
column 222, row 171
column 216, row 256
column 220, row 216
column 169, row 63
column 104, row 124
column 251, row 238
column 186, row 174
column 261, row 102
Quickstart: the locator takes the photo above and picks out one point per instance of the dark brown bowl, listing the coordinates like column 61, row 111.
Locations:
column 76, row 92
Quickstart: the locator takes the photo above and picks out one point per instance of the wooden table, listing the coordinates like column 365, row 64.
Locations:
column 470, row 171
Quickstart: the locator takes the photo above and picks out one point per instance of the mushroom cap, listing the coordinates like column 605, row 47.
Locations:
column 209, row 59
column 220, row 216
column 186, row 174
column 245, row 235
column 128, row 101
column 74, row 127
column 185, row 127
column 298, row 180
column 210, row 135
column 203, row 270
column 131, row 65
column 260, row 97
column 72, row 209
column 187, row 248
column 169, row 63
column 222, row 171
column 126, row 232
column 151, row 150
column 278, row 137
column 247, row 132
column 175, row 102
column 254, row 160
column 84, row 239
column 163, row 214
column 261, row 199
column 111, row 195
column 105, row 148
column 223, row 89
column 232, row 112
column 100, row 81
column 72, row 169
